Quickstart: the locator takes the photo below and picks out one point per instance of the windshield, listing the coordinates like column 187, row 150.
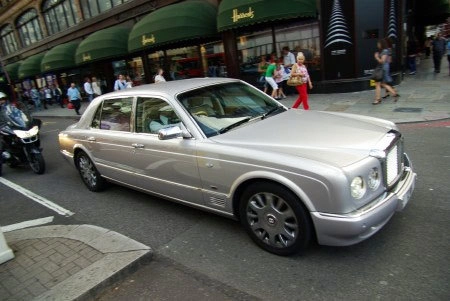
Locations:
column 16, row 117
column 220, row 108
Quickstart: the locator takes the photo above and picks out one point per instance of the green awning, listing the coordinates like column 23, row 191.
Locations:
column 175, row 23
column 238, row 13
column 60, row 57
column 13, row 71
column 31, row 66
column 103, row 44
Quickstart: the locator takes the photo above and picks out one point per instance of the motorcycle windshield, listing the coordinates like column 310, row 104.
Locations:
column 16, row 117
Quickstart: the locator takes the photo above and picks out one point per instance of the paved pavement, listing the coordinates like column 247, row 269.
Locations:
column 74, row 262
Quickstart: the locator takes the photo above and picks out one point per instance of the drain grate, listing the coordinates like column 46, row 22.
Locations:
column 408, row 110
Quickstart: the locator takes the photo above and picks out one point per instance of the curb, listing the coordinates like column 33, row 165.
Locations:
column 122, row 256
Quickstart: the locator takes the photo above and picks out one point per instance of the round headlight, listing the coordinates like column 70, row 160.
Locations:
column 358, row 188
column 374, row 179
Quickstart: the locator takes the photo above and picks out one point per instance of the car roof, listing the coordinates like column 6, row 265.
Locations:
column 172, row 88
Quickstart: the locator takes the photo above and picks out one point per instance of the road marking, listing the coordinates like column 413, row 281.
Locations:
column 37, row 198
column 27, row 224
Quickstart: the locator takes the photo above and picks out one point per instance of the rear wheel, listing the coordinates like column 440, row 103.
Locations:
column 88, row 172
column 275, row 218
column 37, row 163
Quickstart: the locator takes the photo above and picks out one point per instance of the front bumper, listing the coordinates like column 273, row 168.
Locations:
column 354, row 227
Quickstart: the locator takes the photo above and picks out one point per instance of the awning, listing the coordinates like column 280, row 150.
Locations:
column 13, row 71
column 103, row 44
column 238, row 13
column 31, row 66
column 174, row 23
column 59, row 57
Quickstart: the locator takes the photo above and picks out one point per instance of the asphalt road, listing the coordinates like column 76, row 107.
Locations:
column 200, row 256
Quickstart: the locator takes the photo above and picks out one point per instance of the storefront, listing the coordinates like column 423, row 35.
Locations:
column 181, row 39
column 338, row 38
column 59, row 64
column 103, row 55
column 30, row 73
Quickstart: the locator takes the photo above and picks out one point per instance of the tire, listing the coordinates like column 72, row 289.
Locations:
column 275, row 218
column 37, row 163
column 89, row 173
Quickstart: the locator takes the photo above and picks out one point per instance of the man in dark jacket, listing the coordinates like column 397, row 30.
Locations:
column 438, row 45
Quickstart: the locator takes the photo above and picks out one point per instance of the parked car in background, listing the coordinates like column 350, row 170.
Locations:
column 221, row 145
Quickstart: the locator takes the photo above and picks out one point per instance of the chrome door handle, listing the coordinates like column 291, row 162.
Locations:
column 91, row 139
column 137, row 145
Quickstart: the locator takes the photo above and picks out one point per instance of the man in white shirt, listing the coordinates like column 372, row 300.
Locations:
column 88, row 89
column 288, row 58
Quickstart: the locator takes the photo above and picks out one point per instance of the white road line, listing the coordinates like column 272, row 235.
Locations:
column 27, row 224
column 37, row 198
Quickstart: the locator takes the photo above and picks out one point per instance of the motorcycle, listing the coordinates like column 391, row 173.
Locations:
column 21, row 142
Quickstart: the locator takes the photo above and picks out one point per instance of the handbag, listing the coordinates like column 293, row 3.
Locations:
column 294, row 81
column 70, row 106
column 377, row 74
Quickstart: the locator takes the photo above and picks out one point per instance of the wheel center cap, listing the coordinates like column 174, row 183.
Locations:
column 271, row 220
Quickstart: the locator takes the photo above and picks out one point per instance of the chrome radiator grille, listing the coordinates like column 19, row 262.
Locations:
column 394, row 165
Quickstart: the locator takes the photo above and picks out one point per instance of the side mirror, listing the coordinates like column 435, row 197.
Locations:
column 170, row 133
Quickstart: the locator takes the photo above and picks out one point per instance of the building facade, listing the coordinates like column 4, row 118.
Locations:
column 55, row 42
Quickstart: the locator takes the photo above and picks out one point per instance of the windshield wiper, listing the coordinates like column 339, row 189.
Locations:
column 236, row 124
column 271, row 111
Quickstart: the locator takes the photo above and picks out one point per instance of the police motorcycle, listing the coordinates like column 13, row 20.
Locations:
column 20, row 143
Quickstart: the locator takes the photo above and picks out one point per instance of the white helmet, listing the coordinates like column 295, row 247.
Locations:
column 3, row 95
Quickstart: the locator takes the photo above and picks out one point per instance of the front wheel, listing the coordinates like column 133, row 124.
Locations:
column 37, row 163
column 88, row 172
column 275, row 218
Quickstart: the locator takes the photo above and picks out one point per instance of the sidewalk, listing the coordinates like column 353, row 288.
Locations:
column 71, row 262
column 424, row 97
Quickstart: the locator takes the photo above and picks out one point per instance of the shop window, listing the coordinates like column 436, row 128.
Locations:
column 301, row 37
column 8, row 41
column 29, row 29
column 59, row 15
column 188, row 62
column 298, row 36
column 92, row 8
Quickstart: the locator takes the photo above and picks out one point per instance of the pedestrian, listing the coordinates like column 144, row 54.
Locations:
column 96, row 87
column 74, row 97
column 382, row 58
column 48, row 95
column 42, row 97
column 288, row 58
column 280, row 78
column 159, row 78
column 427, row 47
column 288, row 62
column 120, row 83
column 448, row 53
column 262, row 68
column 411, row 52
column 35, row 97
column 88, row 89
column 129, row 82
column 438, row 46
column 269, row 77
column 57, row 94
column 299, row 69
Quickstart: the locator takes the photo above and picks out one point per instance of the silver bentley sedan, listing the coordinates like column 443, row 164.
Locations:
column 290, row 176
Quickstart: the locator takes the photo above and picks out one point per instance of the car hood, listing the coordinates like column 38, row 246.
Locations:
column 334, row 138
